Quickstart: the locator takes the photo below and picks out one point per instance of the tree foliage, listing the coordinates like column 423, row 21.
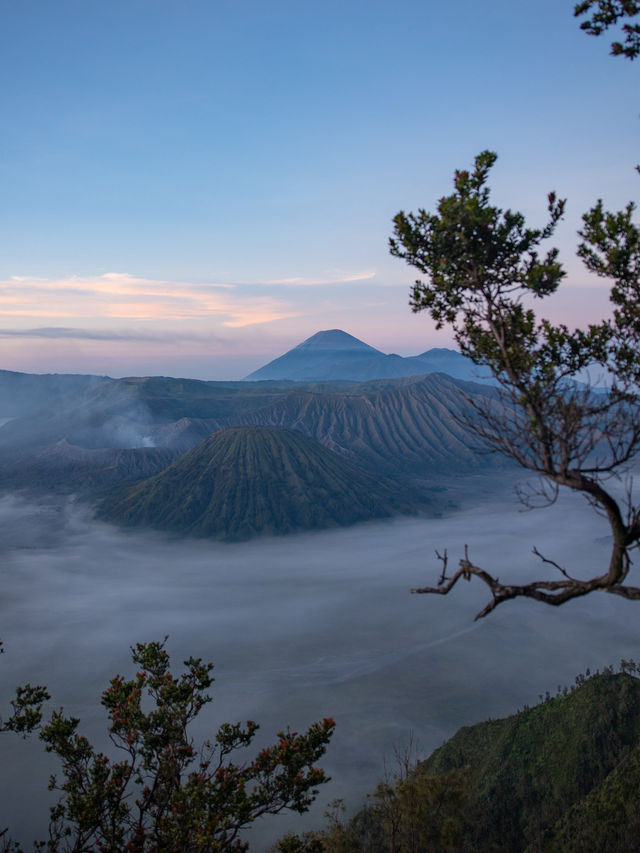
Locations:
column 163, row 794
column 24, row 718
column 410, row 812
column 484, row 270
column 26, row 708
column 609, row 13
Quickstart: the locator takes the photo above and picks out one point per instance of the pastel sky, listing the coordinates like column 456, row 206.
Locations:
column 192, row 187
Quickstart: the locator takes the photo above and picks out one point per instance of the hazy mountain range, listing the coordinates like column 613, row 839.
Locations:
column 335, row 354
column 89, row 434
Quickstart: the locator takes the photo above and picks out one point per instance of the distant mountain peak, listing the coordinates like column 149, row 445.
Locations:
column 335, row 339
column 336, row 355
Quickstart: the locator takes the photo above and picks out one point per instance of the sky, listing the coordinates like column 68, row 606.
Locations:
column 192, row 187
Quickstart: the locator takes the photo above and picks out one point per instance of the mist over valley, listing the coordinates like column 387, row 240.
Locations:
column 301, row 621
column 299, row 627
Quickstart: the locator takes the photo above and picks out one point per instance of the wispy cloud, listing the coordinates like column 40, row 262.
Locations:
column 68, row 333
column 119, row 296
column 337, row 278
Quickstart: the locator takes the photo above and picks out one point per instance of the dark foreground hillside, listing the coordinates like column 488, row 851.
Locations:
column 245, row 481
column 562, row 776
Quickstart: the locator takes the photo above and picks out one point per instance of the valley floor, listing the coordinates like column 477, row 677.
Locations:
column 299, row 627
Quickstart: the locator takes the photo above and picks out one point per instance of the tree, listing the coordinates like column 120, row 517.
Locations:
column 484, row 270
column 26, row 708
column 25, row 717
column 163, row 795
column 607, row 14
column 409, row 812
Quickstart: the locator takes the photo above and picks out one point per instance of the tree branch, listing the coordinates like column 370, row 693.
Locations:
column 553, row 593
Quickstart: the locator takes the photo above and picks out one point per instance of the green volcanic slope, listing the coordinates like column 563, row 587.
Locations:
column 562, row 776
column 245, row 481
column 530, row 769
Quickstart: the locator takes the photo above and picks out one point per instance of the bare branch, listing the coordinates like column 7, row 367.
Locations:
column 546, row 492
column 553, row 563
column 553, row 593
column 444, row 559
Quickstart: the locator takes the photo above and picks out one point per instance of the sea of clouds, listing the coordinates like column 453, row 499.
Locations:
column 301, row 627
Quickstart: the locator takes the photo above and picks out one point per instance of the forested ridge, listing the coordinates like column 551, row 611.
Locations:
column 560, row 776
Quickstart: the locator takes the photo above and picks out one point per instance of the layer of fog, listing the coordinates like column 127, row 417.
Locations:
column 299, row 628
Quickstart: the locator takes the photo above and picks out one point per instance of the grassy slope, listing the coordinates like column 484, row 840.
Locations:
column 607, row 819
column 531, row 769
column 562, row 777
column 245, row 481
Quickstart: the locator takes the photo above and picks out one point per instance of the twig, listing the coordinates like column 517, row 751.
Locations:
column 445, row 559
column 553, row 563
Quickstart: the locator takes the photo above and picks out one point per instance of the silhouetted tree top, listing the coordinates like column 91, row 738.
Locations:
column 484, row 268
column 609, row 13
column 160, row 791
